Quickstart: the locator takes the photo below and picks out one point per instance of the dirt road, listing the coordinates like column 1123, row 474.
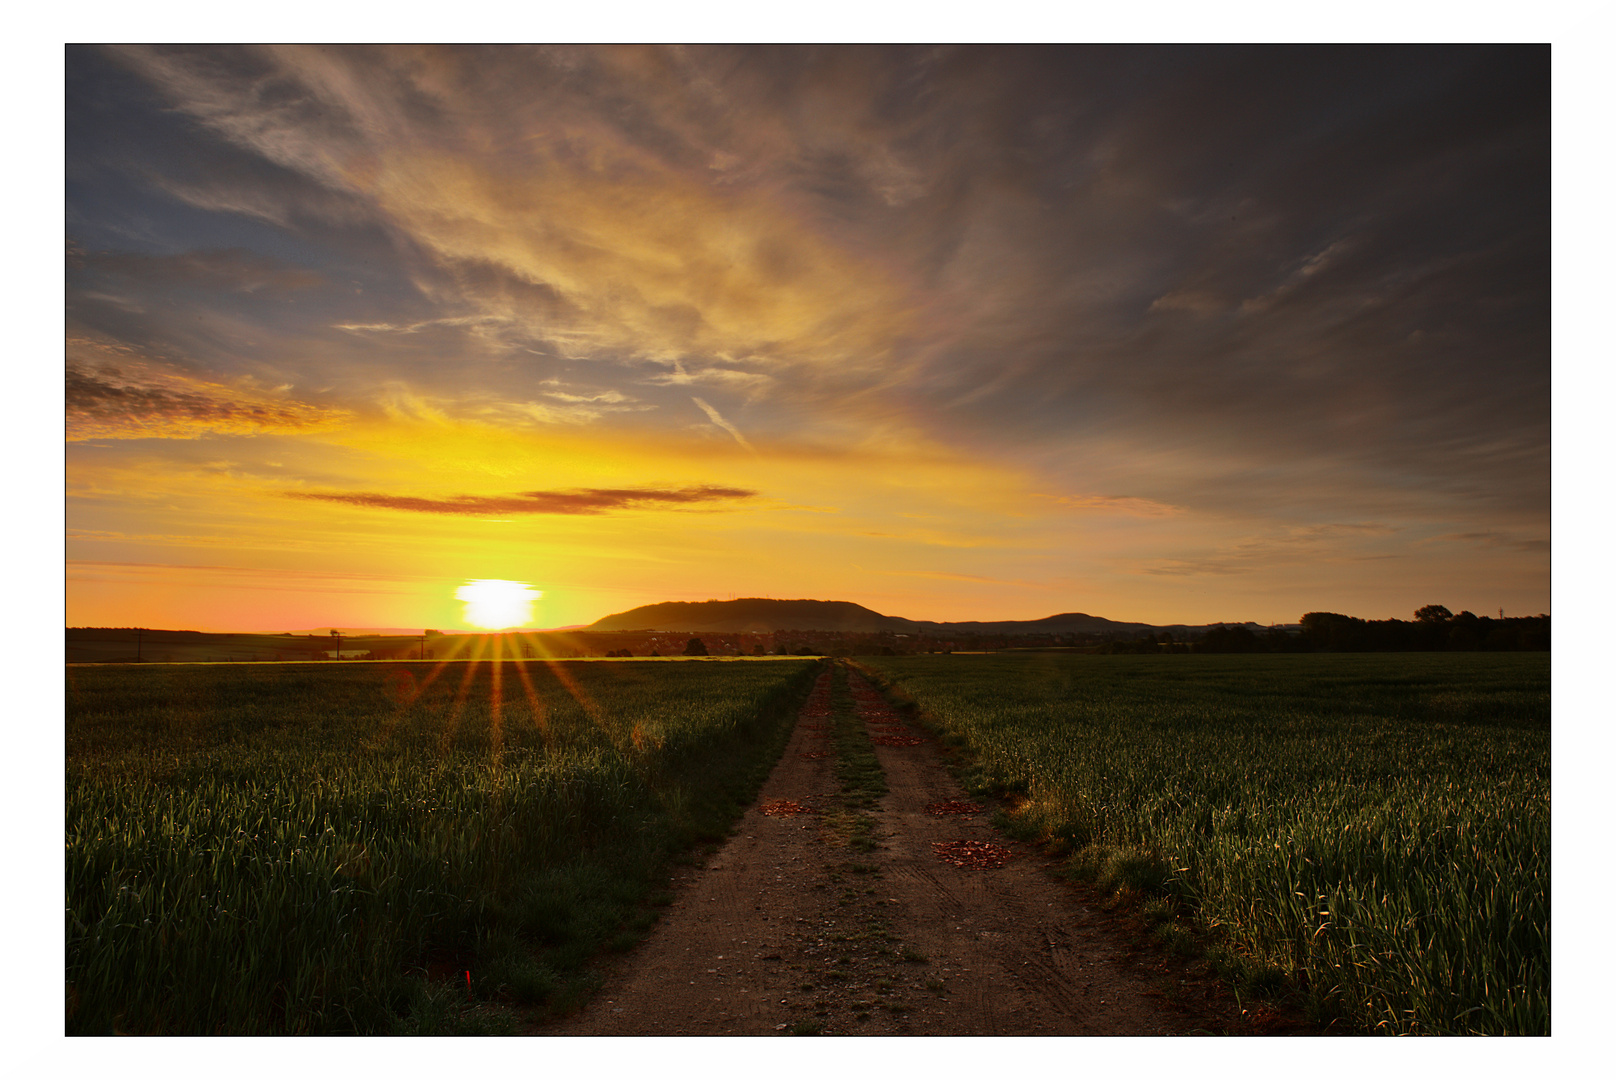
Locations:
column 830, row 914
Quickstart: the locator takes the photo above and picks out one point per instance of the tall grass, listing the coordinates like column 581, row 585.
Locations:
column 1377, row 826
column 288, row 849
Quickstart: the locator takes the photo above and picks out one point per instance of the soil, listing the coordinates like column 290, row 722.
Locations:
column 797, row 925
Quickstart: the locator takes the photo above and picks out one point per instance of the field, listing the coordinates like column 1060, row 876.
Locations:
column 406, row 847
column 1372, row 830
column 89, row 645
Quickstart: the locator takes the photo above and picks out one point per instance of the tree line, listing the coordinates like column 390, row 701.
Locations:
column 1433, row 629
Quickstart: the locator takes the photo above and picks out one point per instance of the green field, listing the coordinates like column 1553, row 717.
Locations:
column 1375, row 828
column 329, row 848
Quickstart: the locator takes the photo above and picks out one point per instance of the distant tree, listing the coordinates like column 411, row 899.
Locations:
column 1433, row 613
column 1465, row 632
column 1333, row 632
column 695, row 647
column 1230, row 639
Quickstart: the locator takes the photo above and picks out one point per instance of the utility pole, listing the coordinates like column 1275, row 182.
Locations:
column 338, row 635
column 139, row 636
column 423, row 645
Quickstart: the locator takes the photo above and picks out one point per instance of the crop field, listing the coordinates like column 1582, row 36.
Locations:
column 307, row 848
column 1375, row 828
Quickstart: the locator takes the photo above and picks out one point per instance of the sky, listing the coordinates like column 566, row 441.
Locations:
column 1158, row 334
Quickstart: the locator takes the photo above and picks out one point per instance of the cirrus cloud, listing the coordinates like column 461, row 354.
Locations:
column 136, row 399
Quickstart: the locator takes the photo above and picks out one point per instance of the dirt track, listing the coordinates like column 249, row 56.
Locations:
column 788, row 929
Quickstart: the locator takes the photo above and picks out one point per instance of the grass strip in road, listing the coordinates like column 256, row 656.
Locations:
column 859, row 965
column 857, row 768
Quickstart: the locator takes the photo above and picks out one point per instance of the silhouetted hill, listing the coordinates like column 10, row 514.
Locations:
column 754, row 616
column 767, row 616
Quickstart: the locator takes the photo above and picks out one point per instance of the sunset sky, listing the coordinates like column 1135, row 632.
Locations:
column 1162, row 335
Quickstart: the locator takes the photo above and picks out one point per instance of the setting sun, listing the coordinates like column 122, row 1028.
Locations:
column 497, row 605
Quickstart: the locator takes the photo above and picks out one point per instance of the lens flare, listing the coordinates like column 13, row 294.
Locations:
column 492, row 604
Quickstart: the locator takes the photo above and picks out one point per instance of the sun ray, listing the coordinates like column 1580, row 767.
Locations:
column 563, row 676
column 496, row 702
column 452, row 722
column 541, row 717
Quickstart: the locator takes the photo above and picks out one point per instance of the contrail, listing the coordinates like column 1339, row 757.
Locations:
column 712, row 414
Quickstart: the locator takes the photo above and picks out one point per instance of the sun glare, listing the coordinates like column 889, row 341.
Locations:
column 492, row 604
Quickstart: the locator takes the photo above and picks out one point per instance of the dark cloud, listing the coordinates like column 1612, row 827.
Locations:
column 138, row 401
column 582, row 501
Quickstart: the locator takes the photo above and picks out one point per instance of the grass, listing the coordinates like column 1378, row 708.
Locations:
column 860, row 777
column 329, row 848
column 857, row 768
column 1375, row 828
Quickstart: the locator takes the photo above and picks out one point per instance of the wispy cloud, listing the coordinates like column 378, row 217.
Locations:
column 138, row 400
column 1116, row 504
column 976, row 579
column 713, row 415
column 241, row 577
column 752, row 383
column 1311, row 544
column 566, row 407
column 582, row 501
column 1196, row 567
column 651, row 257
column 230, row 269
column 1495, row 540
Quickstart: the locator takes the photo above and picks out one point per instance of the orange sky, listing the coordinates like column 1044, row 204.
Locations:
column 953, row 334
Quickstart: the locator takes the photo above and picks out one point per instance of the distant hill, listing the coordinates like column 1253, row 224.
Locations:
column 767, row 616
column 753, row 616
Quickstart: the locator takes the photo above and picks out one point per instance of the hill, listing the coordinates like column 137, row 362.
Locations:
column 753, row 616
column 758, row 615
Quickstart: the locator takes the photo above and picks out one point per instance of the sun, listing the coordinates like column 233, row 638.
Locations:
column 493, row 604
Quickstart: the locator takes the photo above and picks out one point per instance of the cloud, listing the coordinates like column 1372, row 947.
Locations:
column 581, row 501
column 1195, row 301
column 241, row 577
column 1116, row 504
column 1310, row 544
column 604, row 397
column 581, row 411
column 1496, row 540
column 1305, row 268
column 752, row 383
column 281, row 205
column 401, row 402
column 712, row 414
column 1195, row 567
column 975, row 579
column 136, row 399
column 231, row 269
column 619, row 215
